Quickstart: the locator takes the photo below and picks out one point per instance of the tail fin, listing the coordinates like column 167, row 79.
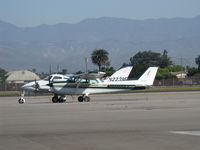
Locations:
column 120, row 75
column 149, row 76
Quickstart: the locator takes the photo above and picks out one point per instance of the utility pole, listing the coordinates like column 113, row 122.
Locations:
column 58, row 68
column 86, row 61
column 50, row 69
column 181, row 61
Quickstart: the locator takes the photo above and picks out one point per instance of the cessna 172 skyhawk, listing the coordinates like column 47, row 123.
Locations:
column 86, row 84
column 43, row 85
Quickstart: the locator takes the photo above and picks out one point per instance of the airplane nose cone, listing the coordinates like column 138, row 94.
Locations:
column 25, row 87
column 28, row 86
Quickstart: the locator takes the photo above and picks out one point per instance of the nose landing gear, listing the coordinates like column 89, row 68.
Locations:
column 22, row 100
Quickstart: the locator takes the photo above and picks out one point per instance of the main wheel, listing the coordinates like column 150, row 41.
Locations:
column 86, row 98
column 55, row 99
column 62, row 99
column 21, row 100
column 80, row 98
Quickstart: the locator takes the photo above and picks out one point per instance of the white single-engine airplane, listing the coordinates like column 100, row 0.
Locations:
column 43, row 85
column 86, row 84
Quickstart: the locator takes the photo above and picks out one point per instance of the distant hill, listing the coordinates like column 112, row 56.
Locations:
column 68, row 44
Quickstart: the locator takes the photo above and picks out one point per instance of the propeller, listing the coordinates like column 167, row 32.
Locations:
column 36, row 86
column 50, row 83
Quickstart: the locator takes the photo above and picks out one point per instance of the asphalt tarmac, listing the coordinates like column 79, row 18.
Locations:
column 140, row 121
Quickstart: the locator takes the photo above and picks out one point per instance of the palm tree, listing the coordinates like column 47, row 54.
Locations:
column 197, row 60
column 100, row 58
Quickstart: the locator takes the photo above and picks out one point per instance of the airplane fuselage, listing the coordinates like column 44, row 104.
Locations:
column 87, row 88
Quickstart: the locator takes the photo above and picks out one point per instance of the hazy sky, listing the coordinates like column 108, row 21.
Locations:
column 36, row 12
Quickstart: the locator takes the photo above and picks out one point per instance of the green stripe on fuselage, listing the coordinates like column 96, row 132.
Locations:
column 87, row 85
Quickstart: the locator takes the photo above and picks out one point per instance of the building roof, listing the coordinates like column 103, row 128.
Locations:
column 21, row 75
column 181, row 74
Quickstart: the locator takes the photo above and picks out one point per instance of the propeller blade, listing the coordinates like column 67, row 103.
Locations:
column 50, row 83
column 35, row 86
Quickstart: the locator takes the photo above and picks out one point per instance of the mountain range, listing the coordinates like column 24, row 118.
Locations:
column 67, row 45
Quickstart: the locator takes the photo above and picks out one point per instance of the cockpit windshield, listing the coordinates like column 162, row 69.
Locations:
column 47, row 78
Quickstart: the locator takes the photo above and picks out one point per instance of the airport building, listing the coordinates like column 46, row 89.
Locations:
column 21, row 76
column 180, row 75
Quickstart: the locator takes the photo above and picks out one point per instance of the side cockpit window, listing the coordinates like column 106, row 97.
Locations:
column 93, row 82
column 71, row 80
column 56, row 77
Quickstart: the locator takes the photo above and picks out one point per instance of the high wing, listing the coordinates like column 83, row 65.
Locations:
column 91, row 75
column 120, row 75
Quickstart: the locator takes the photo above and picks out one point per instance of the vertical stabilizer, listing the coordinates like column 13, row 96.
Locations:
column 149, row 76
column 121, row 74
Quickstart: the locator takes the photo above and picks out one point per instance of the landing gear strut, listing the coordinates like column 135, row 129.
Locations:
column 22, row 99
column 84, row 98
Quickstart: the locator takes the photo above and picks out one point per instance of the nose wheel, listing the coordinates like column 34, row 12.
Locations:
column 21, row 100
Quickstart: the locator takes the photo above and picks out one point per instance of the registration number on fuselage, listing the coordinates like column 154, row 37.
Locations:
column 118, row 79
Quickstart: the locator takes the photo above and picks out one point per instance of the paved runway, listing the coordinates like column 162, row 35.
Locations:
column 144, row 121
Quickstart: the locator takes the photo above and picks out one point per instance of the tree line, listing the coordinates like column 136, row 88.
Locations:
column 140, row 61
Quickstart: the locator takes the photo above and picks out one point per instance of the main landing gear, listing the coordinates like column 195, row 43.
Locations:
column 56, row 99
column 84, row 98
column 62, row 99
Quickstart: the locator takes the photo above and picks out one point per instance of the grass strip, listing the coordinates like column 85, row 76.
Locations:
column 154, row 89
column 10, row 93
column 171, row 89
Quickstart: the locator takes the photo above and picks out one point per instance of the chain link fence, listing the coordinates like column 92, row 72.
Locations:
column 10, row 86
column 193, row 81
